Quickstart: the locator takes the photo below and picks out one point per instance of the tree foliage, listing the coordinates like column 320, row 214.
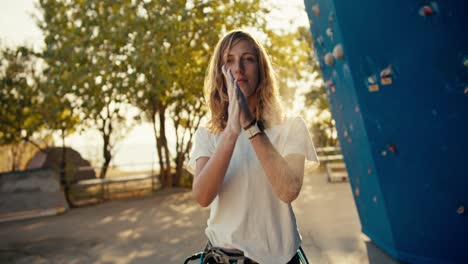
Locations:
column 87, row 55
column 322, row 123
column 19, row 94
column 173, row 42
column 151, row 54
column 20, row 99
column 298, row 74
column 102, row 56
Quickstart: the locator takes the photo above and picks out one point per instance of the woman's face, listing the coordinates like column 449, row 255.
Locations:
column 243, row 61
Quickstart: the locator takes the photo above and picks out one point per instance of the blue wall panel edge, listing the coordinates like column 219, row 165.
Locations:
column 412, row 131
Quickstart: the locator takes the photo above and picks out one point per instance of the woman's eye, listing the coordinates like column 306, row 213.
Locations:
column 250, row 59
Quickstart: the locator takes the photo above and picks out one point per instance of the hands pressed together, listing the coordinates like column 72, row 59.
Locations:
column 239, row 113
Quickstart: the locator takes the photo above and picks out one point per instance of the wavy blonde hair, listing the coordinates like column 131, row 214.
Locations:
column 268, row 108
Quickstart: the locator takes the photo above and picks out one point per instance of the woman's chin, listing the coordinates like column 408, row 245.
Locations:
column 246, row 91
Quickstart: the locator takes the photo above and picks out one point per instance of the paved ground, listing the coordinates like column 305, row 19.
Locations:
column 168, row 226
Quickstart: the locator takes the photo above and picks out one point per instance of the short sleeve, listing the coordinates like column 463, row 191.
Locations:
column 202, row 147
column 299, row 141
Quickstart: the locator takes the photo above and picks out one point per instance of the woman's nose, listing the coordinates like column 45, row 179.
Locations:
column 237, row 67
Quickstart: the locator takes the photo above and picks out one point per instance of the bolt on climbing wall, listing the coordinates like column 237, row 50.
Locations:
column 396, row 74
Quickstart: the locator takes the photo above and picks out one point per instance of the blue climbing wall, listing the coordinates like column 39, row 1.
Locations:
column 396, row 73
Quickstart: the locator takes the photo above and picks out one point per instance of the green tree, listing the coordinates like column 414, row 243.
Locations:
column 322, row 124
column 29, row 109
column 87, row 54
column 20, row 97
column 299, row 74
column 173, row 41
column 59, row 115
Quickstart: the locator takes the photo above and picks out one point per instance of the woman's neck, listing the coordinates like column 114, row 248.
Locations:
column 252, row 102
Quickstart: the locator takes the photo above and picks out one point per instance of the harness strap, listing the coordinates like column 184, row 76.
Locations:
column 224, row 255
column 302, row 256
column 227, row 256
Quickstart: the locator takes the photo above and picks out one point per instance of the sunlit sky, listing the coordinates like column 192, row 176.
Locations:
column 18, row 27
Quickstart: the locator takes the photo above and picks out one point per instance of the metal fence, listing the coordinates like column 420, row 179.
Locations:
column 120, row 182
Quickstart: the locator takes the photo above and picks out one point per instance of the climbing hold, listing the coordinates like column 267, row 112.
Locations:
column 345, row 133
column 329, row 60
column 392, row 148
column 466, row 90
column 369, row 171
column 316, row 10
column 331, row 85
column 461, row 210
column 383, row 153
column 426, row 11
column 371, row 82
column 387, row 72
column 357, row 192
column 465, row 61
column 320, row 41
column 338, row 52
column 386, row 81
column 374, row 199
column 350, row 140
column 330, row 33
column 373, row 88
column 429, row 10
column 386, row 75
column 356, row 109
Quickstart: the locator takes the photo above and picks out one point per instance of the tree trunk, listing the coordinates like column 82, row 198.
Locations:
column 63, row 172
column 162, row 177
column 14, row 154
column 107, row 160
column 179, row 168
column 165, row 147
column 106, row 148
column 183, row 147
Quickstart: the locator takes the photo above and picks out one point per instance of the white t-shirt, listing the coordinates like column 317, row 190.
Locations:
column 247, row 214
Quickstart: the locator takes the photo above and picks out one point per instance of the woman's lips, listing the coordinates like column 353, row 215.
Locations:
column 241, row 80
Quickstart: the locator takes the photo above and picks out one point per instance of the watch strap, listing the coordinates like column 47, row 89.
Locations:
column 251, row 124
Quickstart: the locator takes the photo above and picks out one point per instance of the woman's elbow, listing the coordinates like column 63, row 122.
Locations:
column 290, row 197
column 291, row 193
column 202, row 200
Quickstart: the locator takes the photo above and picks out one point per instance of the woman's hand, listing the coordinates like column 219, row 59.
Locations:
column 233, row 123
column 238, row 110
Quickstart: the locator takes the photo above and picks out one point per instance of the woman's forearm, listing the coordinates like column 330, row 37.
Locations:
column 285, row 175
column 209, row 174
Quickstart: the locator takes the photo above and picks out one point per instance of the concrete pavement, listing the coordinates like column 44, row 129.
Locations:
column 168, row 226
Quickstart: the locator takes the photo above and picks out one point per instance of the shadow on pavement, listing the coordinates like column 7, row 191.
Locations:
column 169, row 226
column 377, row 256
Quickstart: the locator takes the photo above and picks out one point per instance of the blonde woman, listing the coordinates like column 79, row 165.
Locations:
column 248, row 162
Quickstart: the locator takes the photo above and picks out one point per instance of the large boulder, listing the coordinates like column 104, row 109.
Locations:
column 77, row 167
column 31, row 193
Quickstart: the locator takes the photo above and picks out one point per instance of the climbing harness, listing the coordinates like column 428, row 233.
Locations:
column 218, row 255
